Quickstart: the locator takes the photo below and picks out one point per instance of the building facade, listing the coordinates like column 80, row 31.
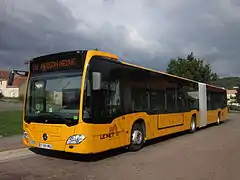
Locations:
column 231, row 97
column 16, row 90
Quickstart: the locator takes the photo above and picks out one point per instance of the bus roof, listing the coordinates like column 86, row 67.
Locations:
column 58, row 53
column 160, row 72
column 123, row 62
column 171, row 75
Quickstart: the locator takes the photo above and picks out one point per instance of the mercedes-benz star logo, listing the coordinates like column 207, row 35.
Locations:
column 45, row 136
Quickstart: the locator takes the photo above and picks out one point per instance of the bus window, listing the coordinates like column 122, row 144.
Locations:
column 105, row 103
column 171, row 100
column 139, row 99
column 157, row 101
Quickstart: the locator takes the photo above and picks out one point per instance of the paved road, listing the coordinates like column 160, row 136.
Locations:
column 6, row 106
column 12, row 142
column 211, row 153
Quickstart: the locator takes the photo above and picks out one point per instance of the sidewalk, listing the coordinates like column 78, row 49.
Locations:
column 10, row 143
column 10, row 106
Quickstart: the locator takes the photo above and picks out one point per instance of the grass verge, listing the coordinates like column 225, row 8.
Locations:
column 10, row 123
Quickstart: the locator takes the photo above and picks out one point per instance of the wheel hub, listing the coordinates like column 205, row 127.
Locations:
column 218, row 120
column 137, row 137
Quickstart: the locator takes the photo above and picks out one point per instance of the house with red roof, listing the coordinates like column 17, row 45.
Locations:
column 16, row 90
column 231, row 97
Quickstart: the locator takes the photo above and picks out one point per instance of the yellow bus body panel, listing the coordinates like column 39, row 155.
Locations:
column 57, row 134
column 102, row 137
column 224, row 114
column 213, row 115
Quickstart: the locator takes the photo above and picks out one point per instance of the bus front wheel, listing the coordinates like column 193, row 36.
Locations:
column 137, row 137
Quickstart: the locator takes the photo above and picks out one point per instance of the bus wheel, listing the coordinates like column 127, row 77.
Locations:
column 218, row 119
column 137, row 137
column 193, row 125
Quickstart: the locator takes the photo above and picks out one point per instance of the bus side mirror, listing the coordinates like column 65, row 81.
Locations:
column 11, row 78
column 97, row 80
column 26, row 74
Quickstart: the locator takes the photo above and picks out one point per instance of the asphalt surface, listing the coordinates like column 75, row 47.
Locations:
column 211, row 153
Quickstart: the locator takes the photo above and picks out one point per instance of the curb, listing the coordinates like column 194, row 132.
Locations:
column 10, row 142
column 16, row 154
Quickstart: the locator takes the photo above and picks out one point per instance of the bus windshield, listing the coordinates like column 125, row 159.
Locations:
column 54, row 98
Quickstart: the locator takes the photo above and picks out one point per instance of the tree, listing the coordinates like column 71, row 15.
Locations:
column 227, row 82
column 192, row 68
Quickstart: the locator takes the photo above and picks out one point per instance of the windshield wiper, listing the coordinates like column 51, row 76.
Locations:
column 49, row 117
column 58, row 116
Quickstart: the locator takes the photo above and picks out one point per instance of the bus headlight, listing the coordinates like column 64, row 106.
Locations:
column 25, row 135
column 75, row 139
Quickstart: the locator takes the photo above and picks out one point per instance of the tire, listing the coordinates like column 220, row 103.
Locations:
column 193, row 124
column 218, row 119
column 136, row 138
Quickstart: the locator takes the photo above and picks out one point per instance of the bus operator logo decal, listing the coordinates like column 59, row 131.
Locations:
column 45, row 136
column 113, row 131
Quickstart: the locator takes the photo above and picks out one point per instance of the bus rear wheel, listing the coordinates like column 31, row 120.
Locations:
column 137, row 137
column 218, row 119
column 193, row 124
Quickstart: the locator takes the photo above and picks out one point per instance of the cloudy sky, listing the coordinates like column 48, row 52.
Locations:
column 145, row 32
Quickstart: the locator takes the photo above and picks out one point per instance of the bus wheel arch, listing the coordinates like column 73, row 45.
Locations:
column 193, row 123
column 137, row 136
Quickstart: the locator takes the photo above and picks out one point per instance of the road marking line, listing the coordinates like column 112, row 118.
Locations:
column 15, row 154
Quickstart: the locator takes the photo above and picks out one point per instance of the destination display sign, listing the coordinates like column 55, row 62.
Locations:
column 46, row 65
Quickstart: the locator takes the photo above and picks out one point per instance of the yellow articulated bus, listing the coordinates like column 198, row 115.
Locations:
column 89, row 101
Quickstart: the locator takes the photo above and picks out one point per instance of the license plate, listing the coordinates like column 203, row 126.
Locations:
column 45, row 146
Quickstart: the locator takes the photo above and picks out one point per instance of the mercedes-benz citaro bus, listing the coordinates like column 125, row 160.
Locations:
column 89, row 101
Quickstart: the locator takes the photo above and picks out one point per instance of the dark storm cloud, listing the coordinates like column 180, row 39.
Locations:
column 26, row 32
column 147, row 33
